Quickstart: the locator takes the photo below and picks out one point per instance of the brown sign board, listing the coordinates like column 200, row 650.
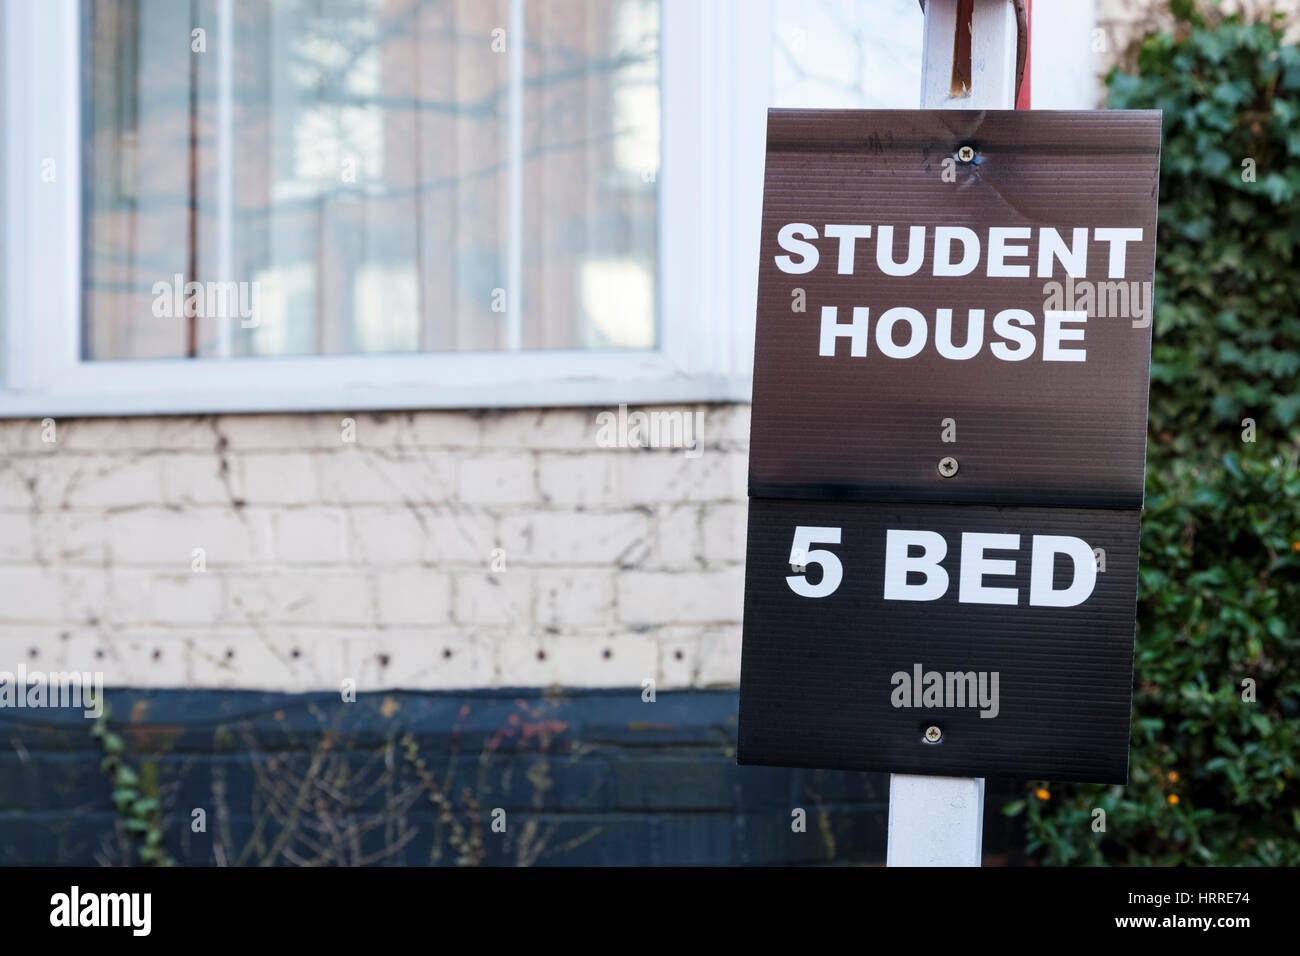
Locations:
column 1017, row 683
column 948, row 440
column 856, row 369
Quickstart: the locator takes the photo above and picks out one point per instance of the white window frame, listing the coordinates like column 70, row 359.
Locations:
column 714, row 90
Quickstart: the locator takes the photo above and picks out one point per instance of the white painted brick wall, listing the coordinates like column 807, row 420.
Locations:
column 372, row 560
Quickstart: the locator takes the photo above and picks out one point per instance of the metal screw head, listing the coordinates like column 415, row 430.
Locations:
column 966, row 154
column 948, row 466
column 933, row 735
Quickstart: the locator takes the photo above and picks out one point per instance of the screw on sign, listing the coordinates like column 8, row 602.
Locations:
column 935, row 624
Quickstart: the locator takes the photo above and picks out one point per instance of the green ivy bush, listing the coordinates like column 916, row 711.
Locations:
column 1215, row 749
column 1216, row 699
column 1227, row 324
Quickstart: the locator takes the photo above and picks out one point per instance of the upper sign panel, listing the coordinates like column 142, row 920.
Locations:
column 964, row 285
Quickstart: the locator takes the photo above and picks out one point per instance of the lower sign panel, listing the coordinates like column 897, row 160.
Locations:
column 939, row 639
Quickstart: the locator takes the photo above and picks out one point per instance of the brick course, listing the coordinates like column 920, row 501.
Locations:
column 437, row 550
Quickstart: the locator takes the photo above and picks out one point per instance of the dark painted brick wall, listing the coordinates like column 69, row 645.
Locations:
column 584, row 777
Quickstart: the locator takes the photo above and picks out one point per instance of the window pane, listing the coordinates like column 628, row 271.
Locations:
column 591, row 144
column 290, row 177
column 846, row 54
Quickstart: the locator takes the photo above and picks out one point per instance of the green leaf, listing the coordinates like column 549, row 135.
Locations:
column 1287, row 409
column 126, row 777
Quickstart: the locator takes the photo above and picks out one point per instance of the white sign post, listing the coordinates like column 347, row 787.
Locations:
column 939, row 821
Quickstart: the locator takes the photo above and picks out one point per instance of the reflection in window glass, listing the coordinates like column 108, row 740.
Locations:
column 846, row 54
column 307, row 177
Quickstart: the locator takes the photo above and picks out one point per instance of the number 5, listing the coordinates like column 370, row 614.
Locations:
column 832, row 570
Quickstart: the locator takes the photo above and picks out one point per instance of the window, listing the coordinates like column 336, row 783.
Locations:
column 412, row 203
column 369, row 176
column 229, row 205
